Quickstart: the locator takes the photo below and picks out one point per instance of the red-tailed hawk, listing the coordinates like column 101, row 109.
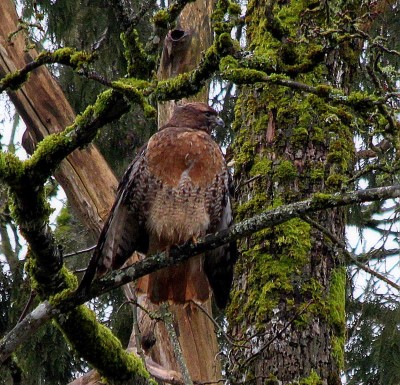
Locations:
column 175, row 190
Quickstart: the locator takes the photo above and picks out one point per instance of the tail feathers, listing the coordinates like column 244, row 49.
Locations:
column 178, row 284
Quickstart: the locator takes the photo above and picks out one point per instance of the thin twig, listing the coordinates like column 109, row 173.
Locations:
column 228, row 339
column 350, row 256
column 130, row 294
column 32, row 296
column 79, row 252
column 169, row 326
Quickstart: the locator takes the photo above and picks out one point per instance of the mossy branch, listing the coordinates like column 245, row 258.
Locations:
column 140, row 64
column 110, row 105
column 98, row 346
column 356, row 100
column 66, row 56
column 166, row 17
column 31, row 211
column 191, row 82
column 64, row 303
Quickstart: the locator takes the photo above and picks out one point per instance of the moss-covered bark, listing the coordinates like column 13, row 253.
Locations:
column 289, row 145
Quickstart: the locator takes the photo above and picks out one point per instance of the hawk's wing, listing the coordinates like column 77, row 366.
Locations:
column 124, row 231
column 219, row 263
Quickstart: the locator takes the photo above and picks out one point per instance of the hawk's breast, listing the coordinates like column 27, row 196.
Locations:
column 188, row 171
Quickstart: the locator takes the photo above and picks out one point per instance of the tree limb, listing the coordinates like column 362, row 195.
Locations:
column 181, row 253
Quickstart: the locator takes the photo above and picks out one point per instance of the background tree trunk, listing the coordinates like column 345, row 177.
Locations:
column 289, row 295
column 85, row 176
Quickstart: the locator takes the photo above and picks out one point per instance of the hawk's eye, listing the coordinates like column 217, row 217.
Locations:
column 208, row 114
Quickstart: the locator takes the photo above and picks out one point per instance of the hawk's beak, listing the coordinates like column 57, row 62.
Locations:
column 219, row 122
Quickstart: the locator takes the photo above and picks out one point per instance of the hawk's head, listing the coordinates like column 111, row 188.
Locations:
column 195, row 115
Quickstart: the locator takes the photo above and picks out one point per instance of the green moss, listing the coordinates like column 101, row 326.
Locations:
column 317, row 172
column 289, row 15
column 322, row 197
column 225, row 45
column 14, row 80
column 11, row 168
column 244, row 75
column 179, row 85
column 161, row 18
column 60, row 54
column 45, row 150
column 285, row 171
column 318, row 135
column 139, row 63
column 261, row 124
column 253, row 206
column 300, row 136
column 324, row 90
column 228, row 62
column 360, row 100
column 271, row 275
column 336, row 313
column 103, row 100
column 295, row 240
column 68, row 56
column 261, row 166
column 64, row 217
column 100, row 347
column 234, row 8
column 338, row 154
column 244, row 154
column 336, row 181
column 312, row 379
column 70, row 282
column 133, row 88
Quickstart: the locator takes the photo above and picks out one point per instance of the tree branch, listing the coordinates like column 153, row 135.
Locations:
column 67, row 56
column 349, row 256
column 356, row 99
column 181, row 253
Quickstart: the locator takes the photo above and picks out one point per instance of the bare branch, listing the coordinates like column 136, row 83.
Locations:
column 91, row 248
column 350, row 257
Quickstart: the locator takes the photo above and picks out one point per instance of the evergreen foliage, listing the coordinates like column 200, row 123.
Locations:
column 358, row 42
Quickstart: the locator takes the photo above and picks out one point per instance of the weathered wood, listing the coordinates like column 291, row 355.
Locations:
column 182, row 52
column 45, row 110
column 183, row 48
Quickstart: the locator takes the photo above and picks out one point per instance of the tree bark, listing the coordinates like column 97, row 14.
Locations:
column 288, row 299
column 85, row 176
column 183, row 48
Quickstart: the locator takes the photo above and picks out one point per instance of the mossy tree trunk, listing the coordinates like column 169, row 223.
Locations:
column 289, row 295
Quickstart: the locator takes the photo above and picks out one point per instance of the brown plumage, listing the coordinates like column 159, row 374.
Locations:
column 175, row 190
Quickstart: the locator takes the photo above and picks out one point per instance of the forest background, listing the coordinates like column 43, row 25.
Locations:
column 309, row 94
